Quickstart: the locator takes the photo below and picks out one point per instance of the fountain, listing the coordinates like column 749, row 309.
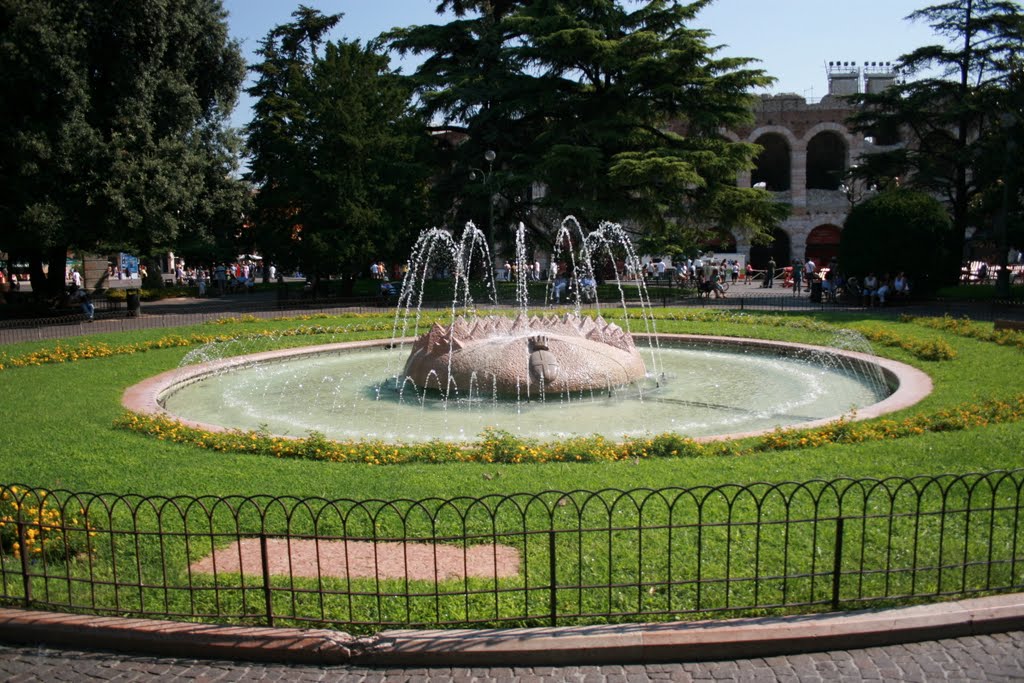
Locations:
column 546, row 374
column 529, row 356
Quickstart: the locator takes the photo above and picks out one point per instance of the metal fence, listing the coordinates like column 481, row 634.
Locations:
column 156, row 315
column 550, row 558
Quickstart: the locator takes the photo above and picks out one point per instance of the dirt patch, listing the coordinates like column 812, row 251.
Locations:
column 363, row 559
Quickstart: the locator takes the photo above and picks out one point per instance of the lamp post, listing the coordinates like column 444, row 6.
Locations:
column 1006, row 121
column 485, row 176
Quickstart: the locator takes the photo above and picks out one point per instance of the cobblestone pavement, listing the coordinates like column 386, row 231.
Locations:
column 998, row 657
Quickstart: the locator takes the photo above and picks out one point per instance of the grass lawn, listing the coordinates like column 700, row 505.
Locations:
column 56, row 425
column 56, row 431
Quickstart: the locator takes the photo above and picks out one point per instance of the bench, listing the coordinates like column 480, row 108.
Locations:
column 1015, row 325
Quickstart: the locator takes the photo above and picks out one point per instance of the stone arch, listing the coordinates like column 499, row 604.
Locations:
column 777, row 249
column 823, row 244
column 827, row 153
column 791, row 139
column 773, row 165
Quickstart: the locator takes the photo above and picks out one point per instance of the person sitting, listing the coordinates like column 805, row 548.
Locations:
column 852, row 291
column 588, row 288
column 901, row 286
column 869, row 290
column 560, row 289
column 882, row 290
column 386, row 292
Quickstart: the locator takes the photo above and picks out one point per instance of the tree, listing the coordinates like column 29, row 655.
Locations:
column 334, row 150
column 952, row 113
column 616, row 113
column 897, row 230
column 112, row 133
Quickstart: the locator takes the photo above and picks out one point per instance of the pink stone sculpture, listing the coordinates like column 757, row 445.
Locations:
column 524, row 357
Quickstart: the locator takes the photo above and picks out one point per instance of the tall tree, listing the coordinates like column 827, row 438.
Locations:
column 616, row 112
column 334, row 150
column 113, row 131
column 950, row 107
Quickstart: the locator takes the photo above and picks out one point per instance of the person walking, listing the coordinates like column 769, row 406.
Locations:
column 769, row 276
column 798, row 276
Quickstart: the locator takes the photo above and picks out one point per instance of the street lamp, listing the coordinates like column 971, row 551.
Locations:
column 478, row 174
column 1006, row 122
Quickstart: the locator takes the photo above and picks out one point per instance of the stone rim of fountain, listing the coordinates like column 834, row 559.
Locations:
column 909, row 384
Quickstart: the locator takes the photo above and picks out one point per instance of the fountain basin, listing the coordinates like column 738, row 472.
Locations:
column 714, row 387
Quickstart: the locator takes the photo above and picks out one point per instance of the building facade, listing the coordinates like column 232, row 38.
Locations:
column 808, row 154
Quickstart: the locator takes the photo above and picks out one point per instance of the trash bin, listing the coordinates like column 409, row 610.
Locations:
column 132, row 300
column 816, row 291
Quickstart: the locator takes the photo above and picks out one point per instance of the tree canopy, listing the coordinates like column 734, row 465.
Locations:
column 334, row 151
column 113, row 131
column 951, row 111
column 606, row 110
column 897, row 230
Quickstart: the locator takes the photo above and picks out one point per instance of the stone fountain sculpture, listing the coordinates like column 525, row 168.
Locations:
column 524, row 357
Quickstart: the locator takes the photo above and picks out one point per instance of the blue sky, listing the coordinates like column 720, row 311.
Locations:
column 794, row 39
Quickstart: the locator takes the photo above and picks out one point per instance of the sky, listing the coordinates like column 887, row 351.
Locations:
column 793, row 39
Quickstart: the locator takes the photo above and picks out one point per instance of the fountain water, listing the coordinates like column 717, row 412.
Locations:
column 529, row 357
column 547, row 374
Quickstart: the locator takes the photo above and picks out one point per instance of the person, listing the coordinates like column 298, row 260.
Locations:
column 201, row 281
column 374, row 271
column 561, row 285
column 870, row 288
column 220, row 274
column 716, row 284
column 809, row 268
column 983, row 273
column 273, row 272
column 769, row 276
column 750, row 274
column 828, row 287
column 883, row 289
column 798, row 276
column 735, row 271
column 76, row 278
column 87, row 306
column 901, row 285
column 588, row 288
column 507, row 270
column 387, row 290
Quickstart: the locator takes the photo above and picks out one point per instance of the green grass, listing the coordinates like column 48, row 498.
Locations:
column 56, row 432
column 56, row 426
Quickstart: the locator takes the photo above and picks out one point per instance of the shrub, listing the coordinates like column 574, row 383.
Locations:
column 897, row 230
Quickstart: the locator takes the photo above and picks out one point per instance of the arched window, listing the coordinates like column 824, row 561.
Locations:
column 777, row 250
column 823, row 244
column 772, row 164
column 826, row 161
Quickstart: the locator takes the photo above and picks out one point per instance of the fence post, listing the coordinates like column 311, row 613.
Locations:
column 26, row 580
column 837, row 563
column 553, row 570
column 265, row 560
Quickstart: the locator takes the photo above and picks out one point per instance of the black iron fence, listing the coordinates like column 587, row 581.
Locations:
column 519, row 559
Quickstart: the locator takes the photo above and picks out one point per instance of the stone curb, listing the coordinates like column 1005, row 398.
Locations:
column 606, row 644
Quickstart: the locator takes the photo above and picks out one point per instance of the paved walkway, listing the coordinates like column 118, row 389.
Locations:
column 998, row 657
column 178, row 312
